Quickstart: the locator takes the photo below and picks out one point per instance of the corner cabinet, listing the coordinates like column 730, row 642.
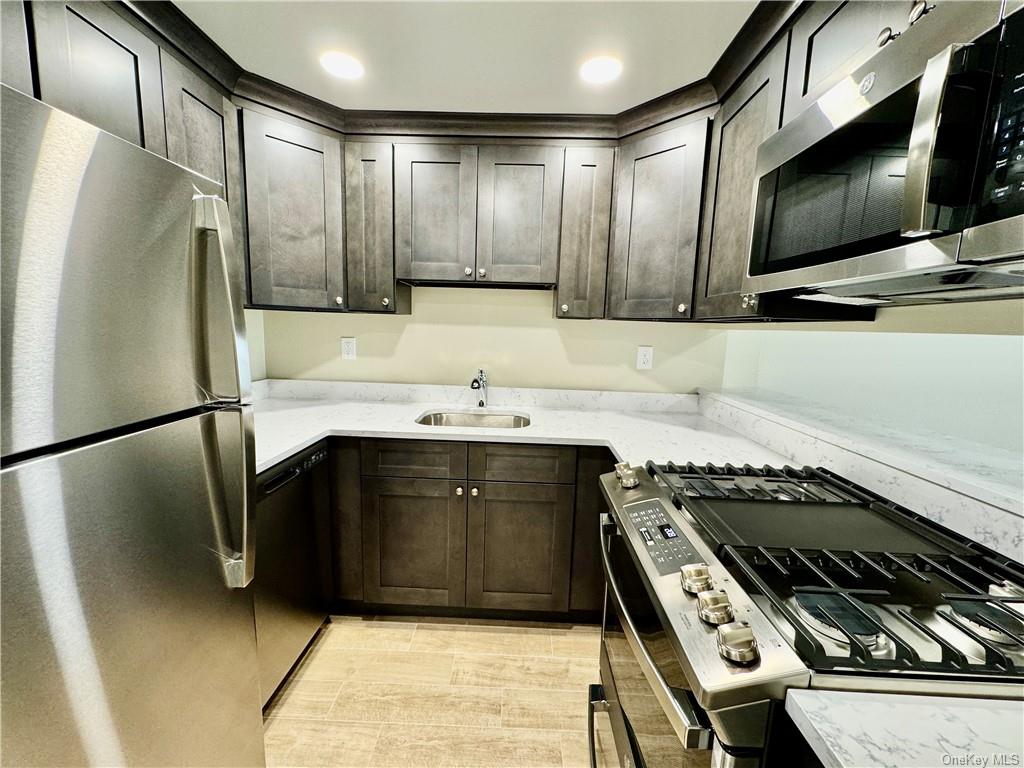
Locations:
column 369, row 241
column 585, row 232
column 657, row 219
column 293, row 193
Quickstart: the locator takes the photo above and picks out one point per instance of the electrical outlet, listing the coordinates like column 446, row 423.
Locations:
column 348, row 348
column 644, row 358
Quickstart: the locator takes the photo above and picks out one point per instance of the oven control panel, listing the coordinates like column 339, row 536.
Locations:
column 666, row 546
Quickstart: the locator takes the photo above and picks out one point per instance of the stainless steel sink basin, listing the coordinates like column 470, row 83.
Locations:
column 488, row 419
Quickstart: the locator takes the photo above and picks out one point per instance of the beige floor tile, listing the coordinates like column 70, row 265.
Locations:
column 576, row 746
column 474, row 639
column 576, row 644
column 544, row 710
column 324, row 663
column 447, row 746
column 310, row 699
column 457, row 622
column 524, row 672
column 440, row 704
column 319, row 743
column 368, row 634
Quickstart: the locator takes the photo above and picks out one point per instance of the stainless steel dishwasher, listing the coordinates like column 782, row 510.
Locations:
column 291, row 572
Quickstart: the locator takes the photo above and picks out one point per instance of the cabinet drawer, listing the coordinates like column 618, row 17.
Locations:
column 413, row 458
column 522, row 463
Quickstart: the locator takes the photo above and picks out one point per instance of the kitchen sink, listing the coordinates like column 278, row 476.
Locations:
column 488, row 419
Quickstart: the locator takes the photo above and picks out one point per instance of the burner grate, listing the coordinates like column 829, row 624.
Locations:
column 852, row 590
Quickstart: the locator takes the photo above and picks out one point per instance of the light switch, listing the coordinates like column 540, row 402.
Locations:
column 644, row 358
column 348, row 348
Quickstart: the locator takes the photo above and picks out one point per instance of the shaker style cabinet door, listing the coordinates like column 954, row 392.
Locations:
column 414, row 541
column 586, row 222
column 97, row 66
column 651, row 271
column 520, row 201
column 202, row 134
column 369, row 215
column 293, row 198
column 519, row 546
column 435, row 212
column 749, row 116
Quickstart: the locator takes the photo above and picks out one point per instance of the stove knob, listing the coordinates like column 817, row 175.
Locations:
column 696, row 578
column 736, row 642
column 627, row 475
column 714, row 607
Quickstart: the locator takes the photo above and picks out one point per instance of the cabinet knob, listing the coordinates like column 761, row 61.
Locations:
column 681, row 308
column 338, row 300
column 385, row 301
column 482, row 272
column 886, row 36
column 458, row 491
column 474, row 492
column 469, row 271
column 565, row 307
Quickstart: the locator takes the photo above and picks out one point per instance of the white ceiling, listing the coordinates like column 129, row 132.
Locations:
column 475, row 56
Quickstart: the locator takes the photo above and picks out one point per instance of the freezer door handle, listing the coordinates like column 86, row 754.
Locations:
column 219, row 343
column 228, row 441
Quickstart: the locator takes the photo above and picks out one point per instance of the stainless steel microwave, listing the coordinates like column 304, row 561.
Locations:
column 904, row 183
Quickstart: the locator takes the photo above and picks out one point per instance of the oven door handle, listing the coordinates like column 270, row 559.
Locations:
column 680, row 712
column 923, row 137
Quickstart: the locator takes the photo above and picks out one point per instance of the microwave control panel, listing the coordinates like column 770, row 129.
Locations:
column 1003, row 193
column 665, row 545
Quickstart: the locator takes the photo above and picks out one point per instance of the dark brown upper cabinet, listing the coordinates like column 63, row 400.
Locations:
column 202, row 134
column 585, row 233
column 15, row 61
column 519, row 546
column 750, row 114
column 293, row 197
column 97, row 66
column 414, row 541
column 369, row 233
column 829, row 38
column 518, row 212
column 435, row 212
column 657, row 216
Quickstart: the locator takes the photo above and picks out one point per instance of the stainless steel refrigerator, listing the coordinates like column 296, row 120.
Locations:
column 127, row 457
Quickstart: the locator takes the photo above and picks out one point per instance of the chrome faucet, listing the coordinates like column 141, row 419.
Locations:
column 480, row 384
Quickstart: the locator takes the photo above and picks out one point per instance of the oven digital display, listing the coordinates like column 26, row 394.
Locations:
column 668, row 531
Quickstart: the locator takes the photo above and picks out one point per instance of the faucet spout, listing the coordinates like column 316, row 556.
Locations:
column 479, row 384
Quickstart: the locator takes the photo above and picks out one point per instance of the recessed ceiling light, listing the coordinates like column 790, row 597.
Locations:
column 342, row 65
column 601, row 69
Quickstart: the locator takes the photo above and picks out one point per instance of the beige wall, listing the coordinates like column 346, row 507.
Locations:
column 257, row 345
column 512, row 333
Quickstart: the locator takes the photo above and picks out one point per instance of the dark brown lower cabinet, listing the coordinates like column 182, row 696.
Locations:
column 414, row 541
column 519, row 546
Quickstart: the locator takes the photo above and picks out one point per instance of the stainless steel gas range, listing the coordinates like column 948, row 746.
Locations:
column 728, row 585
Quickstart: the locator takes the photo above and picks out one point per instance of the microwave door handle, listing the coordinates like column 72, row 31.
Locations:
column 923, row 136
column 680, row 713
column 215, row 276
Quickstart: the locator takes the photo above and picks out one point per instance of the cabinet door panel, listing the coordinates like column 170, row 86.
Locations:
column 435, row 211
column 519, row 545
column 586, row 229
column 522, row 463
column 520, row 204
column 202, row 134
column 748, row 117
column 97, row 66
column 293, row 196
column 413, row 458
column 414, row 541
column 657, row 218
column 369, row 216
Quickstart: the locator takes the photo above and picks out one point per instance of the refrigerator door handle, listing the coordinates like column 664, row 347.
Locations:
column 220, row 347
column 228, row 440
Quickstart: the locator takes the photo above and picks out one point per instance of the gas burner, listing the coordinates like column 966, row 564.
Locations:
column 984, row 618
column 811, row 607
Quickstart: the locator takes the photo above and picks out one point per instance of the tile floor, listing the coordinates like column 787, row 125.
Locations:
column 420, row 693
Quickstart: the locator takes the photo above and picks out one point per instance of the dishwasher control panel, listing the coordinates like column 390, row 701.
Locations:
column 665, row 545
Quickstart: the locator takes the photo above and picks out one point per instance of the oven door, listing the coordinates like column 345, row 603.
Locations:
column 878, row 177
column 656, row 721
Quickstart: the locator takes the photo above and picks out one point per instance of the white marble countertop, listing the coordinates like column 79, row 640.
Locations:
column 869, row 730
column 293, row 415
